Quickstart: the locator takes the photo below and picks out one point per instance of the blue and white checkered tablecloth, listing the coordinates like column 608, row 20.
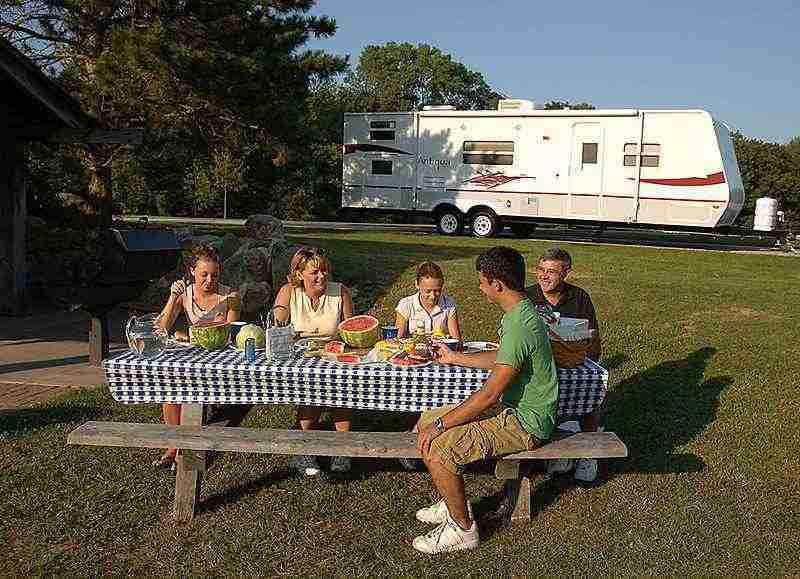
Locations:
column 193, row 375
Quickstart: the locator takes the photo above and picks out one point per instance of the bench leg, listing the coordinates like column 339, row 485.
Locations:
column 516, row 491
column 190, row 468
column 518, row 496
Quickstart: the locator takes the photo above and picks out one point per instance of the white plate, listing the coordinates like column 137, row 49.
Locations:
column 302, row 343
column 472, row 347
column 173, row 344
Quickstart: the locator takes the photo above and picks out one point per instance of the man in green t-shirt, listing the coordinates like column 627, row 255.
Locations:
column 523, row 381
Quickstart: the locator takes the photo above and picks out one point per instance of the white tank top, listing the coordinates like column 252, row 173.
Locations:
column 194, row 312
column 322, row 321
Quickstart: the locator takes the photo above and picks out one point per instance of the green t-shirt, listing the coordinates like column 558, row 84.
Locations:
column 534, row 392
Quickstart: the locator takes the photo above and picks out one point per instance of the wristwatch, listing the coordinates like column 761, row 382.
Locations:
column 438, row 424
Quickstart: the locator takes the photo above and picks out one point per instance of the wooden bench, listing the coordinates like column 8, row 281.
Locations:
column 195, row 440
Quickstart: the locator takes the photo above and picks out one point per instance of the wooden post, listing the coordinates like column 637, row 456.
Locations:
column 190, row 468
column 13, row 212
column 98, row 340
column 18, row 230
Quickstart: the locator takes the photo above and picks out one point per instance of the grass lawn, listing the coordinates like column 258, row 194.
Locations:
column 703, row 353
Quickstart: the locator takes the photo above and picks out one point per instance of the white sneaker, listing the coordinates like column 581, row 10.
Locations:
column 586, row 470
column 308, row 465
column 438, row 513
column 560, row 465
column 448, row 537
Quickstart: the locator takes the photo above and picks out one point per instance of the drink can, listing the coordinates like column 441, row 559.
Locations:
column 389, row 332
column 250, row 349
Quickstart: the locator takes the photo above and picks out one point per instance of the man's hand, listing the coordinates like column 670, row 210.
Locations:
column 424, row 439
column 444, row 355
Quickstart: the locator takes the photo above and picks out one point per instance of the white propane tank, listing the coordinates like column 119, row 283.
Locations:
column 766, row 214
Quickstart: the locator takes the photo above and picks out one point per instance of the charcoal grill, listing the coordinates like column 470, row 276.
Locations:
column 129, row 260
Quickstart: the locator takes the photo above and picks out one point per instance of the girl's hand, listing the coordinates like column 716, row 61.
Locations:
column 234, row 301
column 178, row 288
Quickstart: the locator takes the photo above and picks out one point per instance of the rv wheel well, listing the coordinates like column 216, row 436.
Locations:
column 477, row 208
column 445, row 207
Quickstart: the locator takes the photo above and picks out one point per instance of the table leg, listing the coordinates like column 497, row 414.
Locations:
column 190, row 468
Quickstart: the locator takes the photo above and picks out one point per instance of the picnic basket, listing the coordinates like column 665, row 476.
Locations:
column 569, row 354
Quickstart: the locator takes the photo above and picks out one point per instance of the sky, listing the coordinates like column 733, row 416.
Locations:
column 738, row 60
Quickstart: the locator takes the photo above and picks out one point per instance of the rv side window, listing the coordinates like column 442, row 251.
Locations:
column 381, row 130
column 651, row 152
column 488, row 152
column 589, row 154
column 381, row 167
column 629, row 159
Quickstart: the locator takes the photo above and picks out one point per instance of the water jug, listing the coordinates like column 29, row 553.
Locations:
column 145, row 337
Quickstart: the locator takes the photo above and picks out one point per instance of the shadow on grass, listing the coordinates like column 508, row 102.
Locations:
column 73, row 408
column 242, row 490
column 657, row 411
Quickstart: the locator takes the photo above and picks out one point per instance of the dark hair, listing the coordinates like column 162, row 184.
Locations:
column 429, row 269
column 504, row 264
column 202, row 251
column 557, row 254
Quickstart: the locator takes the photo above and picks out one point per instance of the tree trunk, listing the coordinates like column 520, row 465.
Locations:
column 98, row 163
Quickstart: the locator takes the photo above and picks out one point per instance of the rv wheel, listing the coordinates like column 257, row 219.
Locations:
column 449, row 223
column 485, row 224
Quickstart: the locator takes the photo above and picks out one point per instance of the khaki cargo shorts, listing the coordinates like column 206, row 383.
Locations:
column 479, row 440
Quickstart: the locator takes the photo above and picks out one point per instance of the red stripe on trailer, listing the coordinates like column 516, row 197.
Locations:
column 713, row 179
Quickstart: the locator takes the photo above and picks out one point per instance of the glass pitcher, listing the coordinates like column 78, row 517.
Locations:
column 145, row 337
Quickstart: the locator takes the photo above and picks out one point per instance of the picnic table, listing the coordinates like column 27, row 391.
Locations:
column 195, row 378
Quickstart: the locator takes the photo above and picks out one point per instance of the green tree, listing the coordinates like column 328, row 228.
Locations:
column 403, row 77
column 769, row 170
column 215, row 79
column 559, row 105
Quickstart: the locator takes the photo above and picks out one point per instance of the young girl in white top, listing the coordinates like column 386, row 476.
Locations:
column 430, row 309
column 315, row 306
column 206, row 300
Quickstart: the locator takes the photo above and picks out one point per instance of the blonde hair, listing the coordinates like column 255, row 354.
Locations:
column 303, row 257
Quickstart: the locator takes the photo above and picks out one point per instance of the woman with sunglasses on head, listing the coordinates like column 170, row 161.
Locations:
column 202, row 299
column 315, row 306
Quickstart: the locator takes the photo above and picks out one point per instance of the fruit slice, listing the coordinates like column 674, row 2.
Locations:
column 404, row 360
column 348, row 359
column 360, row 331
column 334, row 347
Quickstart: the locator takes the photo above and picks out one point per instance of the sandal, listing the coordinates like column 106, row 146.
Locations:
column 165, row 463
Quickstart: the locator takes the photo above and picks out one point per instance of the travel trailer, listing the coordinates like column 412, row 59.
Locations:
column 520, row 165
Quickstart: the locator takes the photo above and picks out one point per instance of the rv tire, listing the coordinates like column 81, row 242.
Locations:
column 449, row 222
column 485, row 224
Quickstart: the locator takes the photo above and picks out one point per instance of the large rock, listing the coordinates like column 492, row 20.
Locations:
column 226, row 246
column 250, row 268
column 264, row 228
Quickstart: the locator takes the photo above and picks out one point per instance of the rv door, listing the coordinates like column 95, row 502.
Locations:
column 353, row 181
column 586, row 170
